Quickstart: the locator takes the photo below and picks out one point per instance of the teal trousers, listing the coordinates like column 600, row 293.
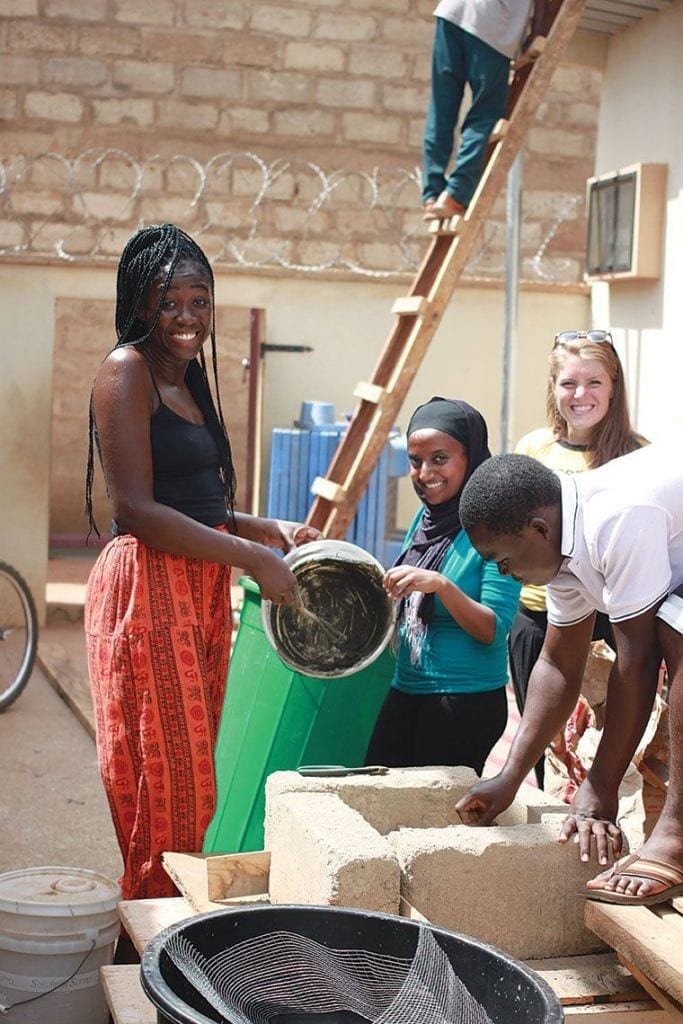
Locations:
column 460, row 59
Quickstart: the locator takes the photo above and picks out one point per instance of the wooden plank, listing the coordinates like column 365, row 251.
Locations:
column 436, row 279
column 143, row 919
column 653, row 945
column 409, row 305
column 617, row 1013
column 673, row 1009
column 238, row 874
column 369, row 392
column 188, row 871
column 62, row 657
column 592, row 978
column 127, row 1002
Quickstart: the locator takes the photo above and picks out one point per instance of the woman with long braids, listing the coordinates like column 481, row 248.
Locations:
column 446, row 704
column 157, row 615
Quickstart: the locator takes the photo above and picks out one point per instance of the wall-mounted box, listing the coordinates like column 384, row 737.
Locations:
column 625, row 223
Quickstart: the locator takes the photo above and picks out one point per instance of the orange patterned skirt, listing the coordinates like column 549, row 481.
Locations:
column 158, row 641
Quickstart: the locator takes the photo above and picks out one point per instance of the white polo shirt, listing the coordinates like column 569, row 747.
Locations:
column 500, row 23
column 622, row 537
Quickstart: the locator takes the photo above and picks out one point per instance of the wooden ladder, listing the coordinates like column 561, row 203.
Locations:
column 419, row 313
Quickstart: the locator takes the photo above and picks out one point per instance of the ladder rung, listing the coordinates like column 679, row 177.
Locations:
column 328, row 489
column 536, row 47
column 410, row 305
column 499, row 130
column 369, row 392
column 449, row 226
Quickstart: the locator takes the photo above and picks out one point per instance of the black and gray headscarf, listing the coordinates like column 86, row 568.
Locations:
column 439, row 523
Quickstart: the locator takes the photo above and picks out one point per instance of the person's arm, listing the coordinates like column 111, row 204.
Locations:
column 274, row 533
column 122, row 404
column 630, row 693
column 554, row 687
column 475, row 618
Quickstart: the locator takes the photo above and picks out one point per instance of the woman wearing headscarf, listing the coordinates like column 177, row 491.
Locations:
column 446, row 704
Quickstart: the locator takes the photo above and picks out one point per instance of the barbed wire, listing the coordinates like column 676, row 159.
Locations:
column 288, row 214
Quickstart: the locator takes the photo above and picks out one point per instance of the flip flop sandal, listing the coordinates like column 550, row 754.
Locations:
column 637, row 867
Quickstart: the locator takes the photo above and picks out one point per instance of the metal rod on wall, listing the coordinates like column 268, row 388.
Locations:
column 513, row 218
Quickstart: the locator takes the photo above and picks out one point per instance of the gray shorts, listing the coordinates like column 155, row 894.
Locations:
column 671, row 610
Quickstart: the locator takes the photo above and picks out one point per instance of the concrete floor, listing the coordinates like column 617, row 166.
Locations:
column 52, row 810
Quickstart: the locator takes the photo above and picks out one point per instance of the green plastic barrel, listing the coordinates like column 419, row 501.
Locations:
column 275, row 719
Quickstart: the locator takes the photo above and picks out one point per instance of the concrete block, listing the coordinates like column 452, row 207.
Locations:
column 216, row 13
column 94, row 10
column 340, row 27
column 19, row 71
column 128, row 111
column 211, row 83
column 378, row 61
column 515, row 887
column 364, row 127
column 281, row 20
column 304, row 123
column 54, row 106
column 310, row 57
column 152, row 12
column 18, row 8
column 177, row 114
column 325, row 853
column 76, row 72
column 405, row 98
column 334, row 92
column 403, row 798
column 38, row 35
column 143, row 76
column 278, row 87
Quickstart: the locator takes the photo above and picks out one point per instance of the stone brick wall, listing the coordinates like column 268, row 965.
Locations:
column 339, row 83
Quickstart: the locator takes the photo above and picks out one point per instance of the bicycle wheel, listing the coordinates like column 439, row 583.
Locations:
column 18, row 634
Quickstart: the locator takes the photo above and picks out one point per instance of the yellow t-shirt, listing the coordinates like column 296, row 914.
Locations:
column 542, row 445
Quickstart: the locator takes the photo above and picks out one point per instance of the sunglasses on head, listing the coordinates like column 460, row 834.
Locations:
column 567, row 337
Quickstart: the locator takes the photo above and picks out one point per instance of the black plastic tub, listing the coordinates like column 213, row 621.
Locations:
column 508, row 991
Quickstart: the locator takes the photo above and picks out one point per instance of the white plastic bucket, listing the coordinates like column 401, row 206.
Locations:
column 58, row 926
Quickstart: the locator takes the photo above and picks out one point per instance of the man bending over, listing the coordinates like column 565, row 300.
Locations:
column 608, row 540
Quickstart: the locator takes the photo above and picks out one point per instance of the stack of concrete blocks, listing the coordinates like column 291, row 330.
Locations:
column 394, row 842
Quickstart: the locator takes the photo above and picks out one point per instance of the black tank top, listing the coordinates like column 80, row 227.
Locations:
column 185, row 463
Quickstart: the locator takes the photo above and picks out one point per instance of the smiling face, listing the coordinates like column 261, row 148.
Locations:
column 532, row 556
column 186, row 313
column 582, row 390
column 438, row 464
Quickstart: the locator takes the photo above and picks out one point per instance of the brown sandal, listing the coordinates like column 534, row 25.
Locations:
column 634, row 866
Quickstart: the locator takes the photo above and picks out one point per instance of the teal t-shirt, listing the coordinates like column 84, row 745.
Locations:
column 452, row 661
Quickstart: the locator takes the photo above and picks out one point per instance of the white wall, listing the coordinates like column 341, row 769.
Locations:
column 640, row 120
column 346, row 322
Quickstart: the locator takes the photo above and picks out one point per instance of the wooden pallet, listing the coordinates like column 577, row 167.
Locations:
column 419, row 313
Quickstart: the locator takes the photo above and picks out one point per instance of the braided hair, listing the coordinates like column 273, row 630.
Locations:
column 150, row 252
